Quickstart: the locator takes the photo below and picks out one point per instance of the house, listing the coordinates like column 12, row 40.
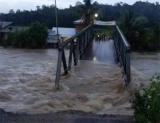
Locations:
column 5, row 28
column 52, row 40
column 63, row 33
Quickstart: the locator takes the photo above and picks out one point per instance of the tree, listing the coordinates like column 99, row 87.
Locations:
column 34, row 37
column 138, row 32
column 78, row 3
column 38, row 8
column 133, row 28
column 88, row 12
column 37, row 35
column 11, row 11
column 46, row 14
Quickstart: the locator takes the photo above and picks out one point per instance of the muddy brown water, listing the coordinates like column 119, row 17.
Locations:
column 27, row 81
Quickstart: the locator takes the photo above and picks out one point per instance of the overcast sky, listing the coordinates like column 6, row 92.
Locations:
column 6, row 5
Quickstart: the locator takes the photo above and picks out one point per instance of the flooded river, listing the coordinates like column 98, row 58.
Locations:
column 27, row 84
column 22, row 74
column 27, row 81
column 145, row 65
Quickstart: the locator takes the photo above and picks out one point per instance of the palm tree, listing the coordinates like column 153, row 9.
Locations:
column 88, row 12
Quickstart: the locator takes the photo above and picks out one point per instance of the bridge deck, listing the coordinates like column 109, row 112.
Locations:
column 97, row 82
column 97, row 88
column 100, row 51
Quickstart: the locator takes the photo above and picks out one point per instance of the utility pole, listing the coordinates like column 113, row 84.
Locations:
column 56, row 14
column 57, row 86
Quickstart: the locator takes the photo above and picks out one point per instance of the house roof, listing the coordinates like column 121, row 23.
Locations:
column 5, row 24
column 79, row 21
column 104, row 23
column 65, row 32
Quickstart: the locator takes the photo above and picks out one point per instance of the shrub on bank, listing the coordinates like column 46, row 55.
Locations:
column 34, row 37
column 147, row 103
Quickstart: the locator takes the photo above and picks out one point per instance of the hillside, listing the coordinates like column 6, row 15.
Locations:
column 46, row 14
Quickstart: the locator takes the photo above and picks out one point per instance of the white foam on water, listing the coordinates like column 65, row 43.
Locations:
column 27, row 85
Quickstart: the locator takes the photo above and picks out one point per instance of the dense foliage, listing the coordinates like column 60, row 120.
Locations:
column 88, row 11
column 139, row 32
column 46, row 14
column 147, row 103
column 34, row 37
column 140, row 22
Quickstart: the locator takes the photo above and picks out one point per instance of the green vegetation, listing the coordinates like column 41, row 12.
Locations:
column 88, row 11
column 139, row 32
column 46, row 14
column 140, row 22
column 147, row 103
column 34, row 37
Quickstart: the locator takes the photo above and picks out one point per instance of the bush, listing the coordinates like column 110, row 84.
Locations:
column 140, row 32
column 147, row 103
column 34, row 37
column 37, row 35
column 10, row 40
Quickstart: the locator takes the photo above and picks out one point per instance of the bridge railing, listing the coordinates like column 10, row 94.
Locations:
column 122, row 50
column 76, row 45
